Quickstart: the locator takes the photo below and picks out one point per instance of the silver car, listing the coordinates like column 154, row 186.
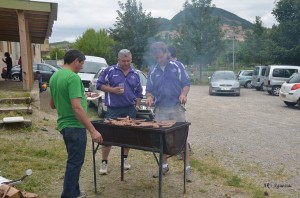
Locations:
column 101, row 107
column 224, row 82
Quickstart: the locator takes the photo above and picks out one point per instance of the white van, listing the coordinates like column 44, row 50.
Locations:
column 276, row 75
column 258, row 76
column 91, row 66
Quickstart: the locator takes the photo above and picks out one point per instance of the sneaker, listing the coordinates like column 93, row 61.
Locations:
column 82, row 194
column 103, row 168
column 127, row 166
column 164, row 172
column 188, row 175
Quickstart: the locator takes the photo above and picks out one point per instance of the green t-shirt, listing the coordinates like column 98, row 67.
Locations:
column 65, row 85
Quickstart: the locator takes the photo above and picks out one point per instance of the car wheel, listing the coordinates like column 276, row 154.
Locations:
column 262, row 87
column 290, row 104
column 210, row 92
column 275, row 90
column 15, row 77
column 298, row 103
column 248, row 85
column 270, row 92
column 258, row 88
column 100, row 111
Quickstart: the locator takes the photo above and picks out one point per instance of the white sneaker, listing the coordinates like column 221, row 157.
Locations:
column 127, row 166
column 103, row 169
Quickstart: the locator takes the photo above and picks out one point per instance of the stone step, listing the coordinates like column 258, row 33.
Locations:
column 27, row 110
column 25, row 122
column 20, row 100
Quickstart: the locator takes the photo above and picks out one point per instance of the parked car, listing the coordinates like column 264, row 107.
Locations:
column 276, row 75
column 91, row 66
column 244, row 77
column 46, row 71
column 101, row 107
column 290, row 91
column 224, row 82
column 258, row 76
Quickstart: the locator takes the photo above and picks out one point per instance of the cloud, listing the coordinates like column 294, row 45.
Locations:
column 76, row 16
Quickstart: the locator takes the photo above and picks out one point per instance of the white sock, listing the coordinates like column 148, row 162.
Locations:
column 187, row 167
column 165, row 165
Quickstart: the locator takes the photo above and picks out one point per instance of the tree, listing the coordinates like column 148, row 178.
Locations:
column 257, row 48
column 286, row 33
column 97, row 43
column 57, row 54
column 200, row 34
column 133, row 30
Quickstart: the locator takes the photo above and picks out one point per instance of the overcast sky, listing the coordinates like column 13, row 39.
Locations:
column 75, row 16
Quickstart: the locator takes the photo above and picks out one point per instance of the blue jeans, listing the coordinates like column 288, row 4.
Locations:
column 75, row 140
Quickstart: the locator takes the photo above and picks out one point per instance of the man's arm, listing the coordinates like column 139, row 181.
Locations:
column 83, row 119
column 109, row 89
column 183, row 95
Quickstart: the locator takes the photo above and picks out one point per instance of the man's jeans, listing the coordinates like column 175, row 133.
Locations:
column 75, row 141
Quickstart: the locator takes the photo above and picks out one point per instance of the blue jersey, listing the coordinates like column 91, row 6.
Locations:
column 166, row 86
column 113, row 76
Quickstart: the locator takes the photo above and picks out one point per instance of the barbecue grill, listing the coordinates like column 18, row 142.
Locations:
column 169, row 141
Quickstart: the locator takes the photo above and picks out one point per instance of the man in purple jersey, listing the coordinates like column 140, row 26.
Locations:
column 123, row 94
column 169, row 84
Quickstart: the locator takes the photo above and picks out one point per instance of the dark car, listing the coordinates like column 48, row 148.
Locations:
column 46, row 71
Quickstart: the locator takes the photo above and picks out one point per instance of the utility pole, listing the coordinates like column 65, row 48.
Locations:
column 233, row 52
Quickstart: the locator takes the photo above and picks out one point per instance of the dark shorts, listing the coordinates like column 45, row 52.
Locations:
column 121, row 112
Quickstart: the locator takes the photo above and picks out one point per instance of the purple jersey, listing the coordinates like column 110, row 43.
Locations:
column 166, row 86
column 113, row 76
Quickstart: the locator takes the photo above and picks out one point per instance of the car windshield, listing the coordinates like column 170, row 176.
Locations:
column 223, row 76
column 294, row 79
column 91, row 67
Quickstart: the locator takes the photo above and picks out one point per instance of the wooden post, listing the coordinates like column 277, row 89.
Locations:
column 26, row 53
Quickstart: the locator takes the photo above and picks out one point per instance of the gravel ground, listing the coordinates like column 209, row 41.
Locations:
column 255, row 135
column 254, row 132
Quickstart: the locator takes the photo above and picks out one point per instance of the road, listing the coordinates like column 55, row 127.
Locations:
column 255, row 129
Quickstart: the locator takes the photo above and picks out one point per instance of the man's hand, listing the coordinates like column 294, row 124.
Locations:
column 149, row 100
column 182, row 99
column 96, row 137
column 117, row 90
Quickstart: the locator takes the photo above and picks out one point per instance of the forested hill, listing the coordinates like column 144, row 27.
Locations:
column 226, row 18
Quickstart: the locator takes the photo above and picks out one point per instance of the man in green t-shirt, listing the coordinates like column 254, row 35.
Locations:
column 68, row 98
